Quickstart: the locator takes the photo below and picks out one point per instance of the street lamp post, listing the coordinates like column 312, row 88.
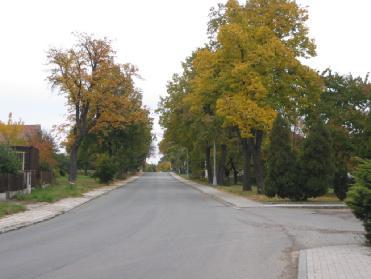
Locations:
column 214, row 175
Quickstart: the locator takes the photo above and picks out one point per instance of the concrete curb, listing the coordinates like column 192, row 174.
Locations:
column 302, row 265
column 252, row 204
column 49, row 211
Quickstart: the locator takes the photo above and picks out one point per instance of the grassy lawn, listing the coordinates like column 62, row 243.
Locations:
column 61, row 189
column 7, row 208
column 253, row 195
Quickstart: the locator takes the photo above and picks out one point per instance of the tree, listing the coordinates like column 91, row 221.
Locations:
column 47, row 147
column 316, row 166
column 99, row 92
column 345, row 106
column 258, row 47
column 164, row 166
column 281, row 162
column 10, row 132
column 359, row 196
column 9, row 162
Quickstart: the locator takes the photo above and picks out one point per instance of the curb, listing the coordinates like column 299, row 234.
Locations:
column 308, row 206
column 302, row 265
column 52, row 214
column 259, row 204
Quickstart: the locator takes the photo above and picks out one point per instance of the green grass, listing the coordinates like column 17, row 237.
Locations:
column 7, row 208
column 61, row 189
column 253, row 195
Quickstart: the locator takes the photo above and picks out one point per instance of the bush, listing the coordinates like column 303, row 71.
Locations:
column 9, row 162
column 359, row 196
column 105, row 168
column 281, row 175
column 316, row 166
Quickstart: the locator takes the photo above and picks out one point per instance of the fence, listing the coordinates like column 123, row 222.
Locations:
column 12, row 183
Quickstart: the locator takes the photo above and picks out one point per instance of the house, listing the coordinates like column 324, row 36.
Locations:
column 18, row 137
column 30, row 175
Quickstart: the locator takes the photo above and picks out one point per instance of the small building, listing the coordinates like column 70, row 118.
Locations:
column 28, row 156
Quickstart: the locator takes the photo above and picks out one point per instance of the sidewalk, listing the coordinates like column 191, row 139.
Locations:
column 241, row 202
column 43, row 211
column 335, row 262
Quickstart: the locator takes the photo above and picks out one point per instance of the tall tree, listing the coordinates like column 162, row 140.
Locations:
column 98, row 90
column 316, row 170
column 258, row 47
column 281, row 162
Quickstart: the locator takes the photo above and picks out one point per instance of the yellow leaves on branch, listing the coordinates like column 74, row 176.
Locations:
column 11, row 132
column 245, row 114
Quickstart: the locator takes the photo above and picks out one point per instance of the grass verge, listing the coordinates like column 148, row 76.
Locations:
column 61, row 189
column 7, row 208
column 253, row 195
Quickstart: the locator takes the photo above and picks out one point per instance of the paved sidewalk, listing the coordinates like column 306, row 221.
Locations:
column 335, row 262
column 241, row 202
column 43, row 211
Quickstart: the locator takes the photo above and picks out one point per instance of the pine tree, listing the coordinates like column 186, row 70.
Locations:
column 359, row 196
column 316, row 166
column 280, row 179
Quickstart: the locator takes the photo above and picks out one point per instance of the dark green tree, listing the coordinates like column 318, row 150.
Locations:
column 280, row 179
column 316, row 165
column 106, row 168
column 359, row 196
column 9, row 162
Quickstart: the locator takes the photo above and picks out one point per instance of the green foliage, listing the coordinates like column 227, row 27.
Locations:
column 63, row 163
column 150, row 167
column 359, row 196
column 316, row 166
column 9, row 162
column 105, row 168
column 281, row 174
column 341, row 183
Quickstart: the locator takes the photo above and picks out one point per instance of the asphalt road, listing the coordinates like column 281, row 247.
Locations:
column 159, row 228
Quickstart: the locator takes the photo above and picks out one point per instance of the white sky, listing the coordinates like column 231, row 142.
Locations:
column 154, row 35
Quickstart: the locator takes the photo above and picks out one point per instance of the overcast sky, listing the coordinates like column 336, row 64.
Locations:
column 154, row 35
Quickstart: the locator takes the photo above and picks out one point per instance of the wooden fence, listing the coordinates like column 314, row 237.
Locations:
column 19, row 181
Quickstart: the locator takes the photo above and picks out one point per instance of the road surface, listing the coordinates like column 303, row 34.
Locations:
column 158, row 228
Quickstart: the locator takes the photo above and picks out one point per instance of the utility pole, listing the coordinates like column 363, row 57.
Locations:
column 214, row 175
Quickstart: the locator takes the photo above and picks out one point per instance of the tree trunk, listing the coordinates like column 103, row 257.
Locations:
column 235, row 173
column 208, row 164
column 73, row 163
column 258, row 163
column 246, row 153
column 221, row 166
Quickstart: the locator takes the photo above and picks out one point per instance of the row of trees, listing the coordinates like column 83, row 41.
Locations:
column 249, row 75
column 108, row 128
